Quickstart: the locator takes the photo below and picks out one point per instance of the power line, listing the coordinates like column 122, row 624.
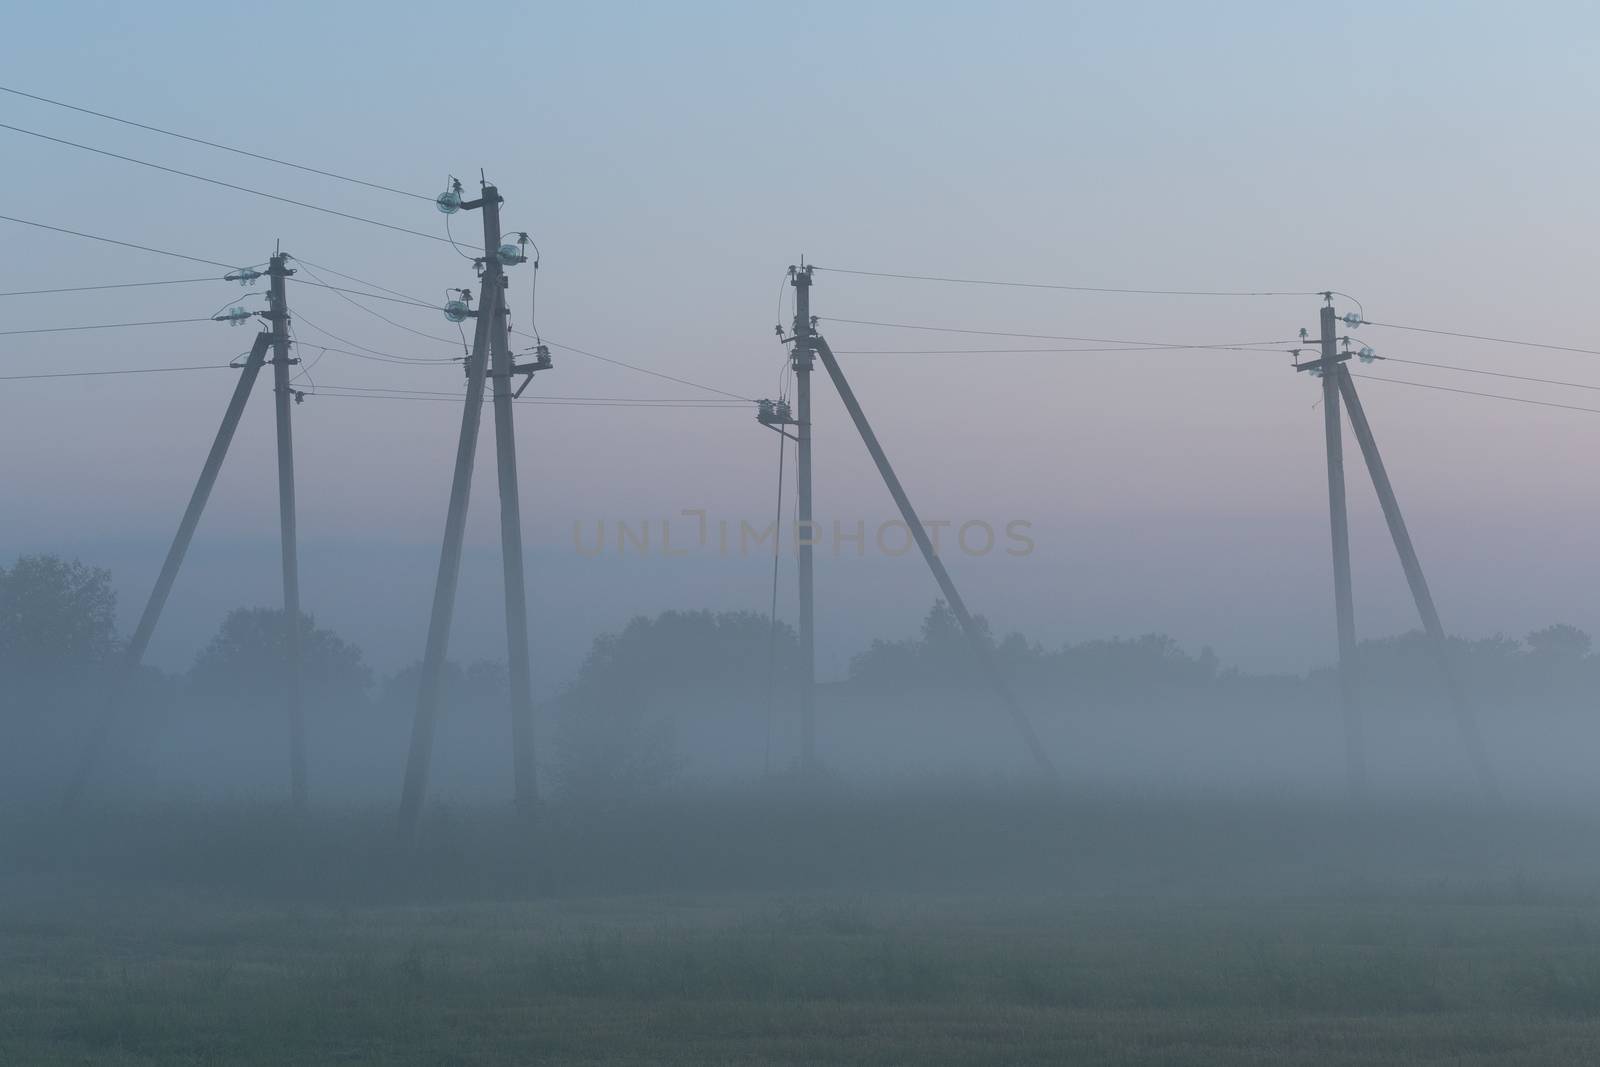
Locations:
column 373, row 351
column 699, row 406
column 1047, row 351
column 542, row 396
column 1063, row 288
column 1486, row 396
column 1480, row 337
column 101, row 373
column 100, row 326
column 399, row 326
column 124, row 244
column 212, row 144
column 1489, row 373
column 360, row 281
column 1241, row 346
column 652, row 373
column 357, row 292
column 221, row 183
column 118, row 285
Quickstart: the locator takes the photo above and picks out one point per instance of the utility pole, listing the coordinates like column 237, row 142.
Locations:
column 809, row 344
column 140, row 641
column 283, row 395
column 489, row 339
column 516, row 594
column 1338, row 385
column 802, row 358
column 1343, row 598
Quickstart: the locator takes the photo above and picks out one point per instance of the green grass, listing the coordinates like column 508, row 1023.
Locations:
column 161, row 978
column 1207, row 934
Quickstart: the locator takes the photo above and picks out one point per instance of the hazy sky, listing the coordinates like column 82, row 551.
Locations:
column 672, row 160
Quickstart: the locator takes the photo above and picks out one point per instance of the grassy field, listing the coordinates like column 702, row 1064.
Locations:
column 121, row 951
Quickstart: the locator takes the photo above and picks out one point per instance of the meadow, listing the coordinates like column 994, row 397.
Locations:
column 932, row 924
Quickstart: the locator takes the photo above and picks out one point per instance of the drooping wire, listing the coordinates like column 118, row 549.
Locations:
column 1480, row 337
column 124, row 244
column 1068, row 288
column 1233, row 345
column 359, row 292
column 327, row 391
column 1254, row 346
column 362, row 281
column 1472, row 392
column 117, row 285
column 389, row 356
column 219, row 182
column 652, row 373
column 213, row 144
column 101, row 373
column 340, row 293
column 1488, row 373
column 101, row 326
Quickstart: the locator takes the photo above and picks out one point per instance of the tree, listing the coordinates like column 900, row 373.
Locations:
column 614, row 727
column 942, row 654
column 1561, row 642
column 245, row 662
column 56, row 617
column 482, row 686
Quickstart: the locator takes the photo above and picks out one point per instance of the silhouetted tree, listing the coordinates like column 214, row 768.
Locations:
column 482, row 686
column 55, row 615
column 244, row 663
column 612, row 735
column 57, row 632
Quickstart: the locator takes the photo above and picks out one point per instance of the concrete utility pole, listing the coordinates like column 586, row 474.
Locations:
column 1343, row 598
column 802, row 357
column 146, row 627
column 278, row 317
column 490, row 338
column 1338, row 385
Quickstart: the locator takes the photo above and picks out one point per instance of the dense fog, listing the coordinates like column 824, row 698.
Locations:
column 695, row 699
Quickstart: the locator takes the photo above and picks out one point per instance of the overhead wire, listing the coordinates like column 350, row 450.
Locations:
column 115, row 285
column 1481, row 337
column 1232, row 345
column 340, row 293
column 101, row 326
column 387, row 356
column 213, row 144
column 362, row 281
column 124, row 244
column 1473, row 392
column 102, row 373
column 361, row 293
column 219, row 182
column 1071, row 288
column 646, row 370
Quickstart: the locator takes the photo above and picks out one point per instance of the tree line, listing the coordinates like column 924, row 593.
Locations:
column 615, row 725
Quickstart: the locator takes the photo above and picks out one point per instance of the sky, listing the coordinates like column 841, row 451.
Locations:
column 671, row 161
